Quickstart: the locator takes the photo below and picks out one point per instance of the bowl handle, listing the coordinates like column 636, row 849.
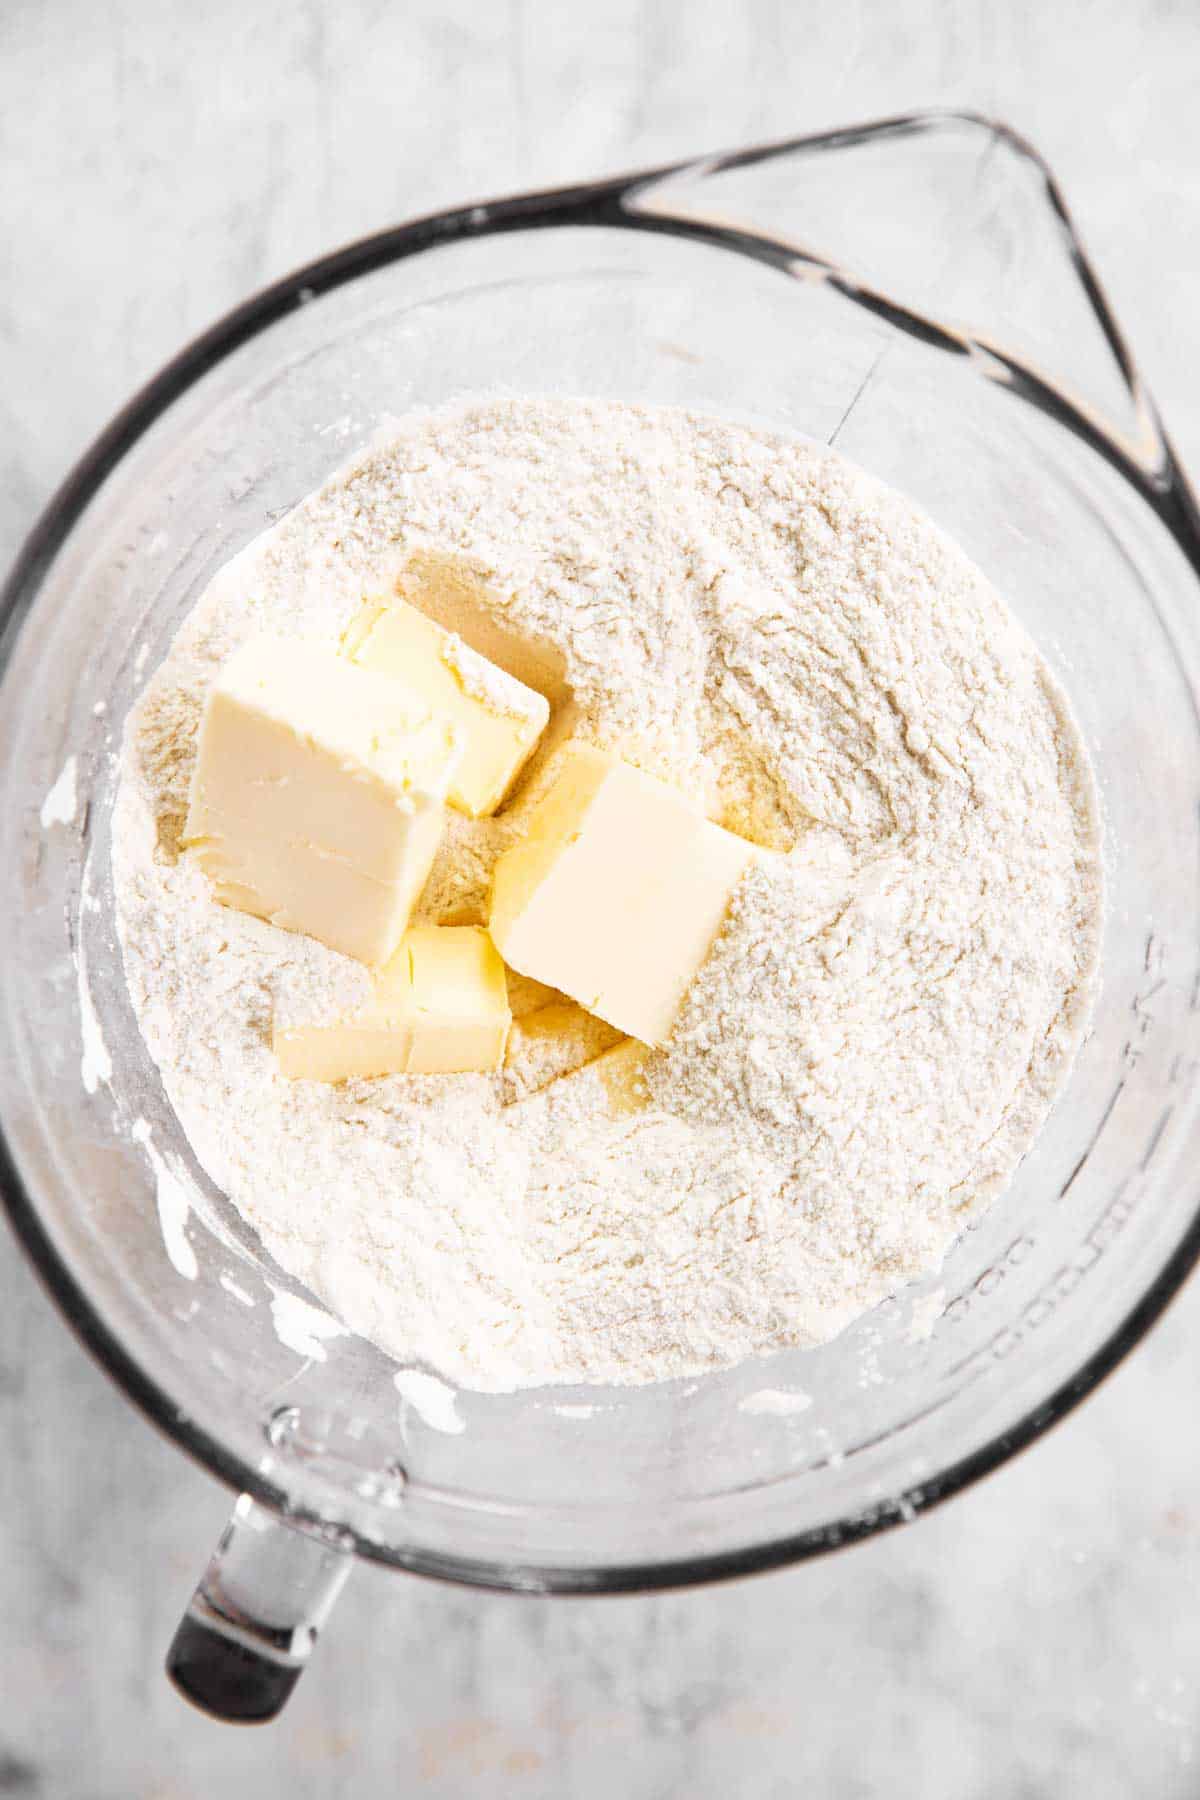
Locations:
column 251, row 1624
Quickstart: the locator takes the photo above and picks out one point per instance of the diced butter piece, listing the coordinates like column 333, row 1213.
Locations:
column 611, row 1085
column 376, row 1040
column 462, row 595
column 619, row 1072
column 459, row 1000
column 525, row 995
column 317, row 795
column 497, row 718
column 552, row 1041
column 440, row 1007
column 615, row 893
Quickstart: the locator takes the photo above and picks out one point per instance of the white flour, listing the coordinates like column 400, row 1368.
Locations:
column 885, row 1019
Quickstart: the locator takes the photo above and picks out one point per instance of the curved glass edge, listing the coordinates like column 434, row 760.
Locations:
column 1147, row 460
column 612, row 203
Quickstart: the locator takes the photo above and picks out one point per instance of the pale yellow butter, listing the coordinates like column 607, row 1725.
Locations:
column 550, row 1042
column 462, row 595
column 611, row 1085
column 376, row 1041
column 317, row 795
column 615, row 893
column 619, row 1073
column 497, row 718
column 459, row 1000
column 440, row 1007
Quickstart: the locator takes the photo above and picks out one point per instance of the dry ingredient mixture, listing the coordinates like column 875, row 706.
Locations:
column 879, row 1030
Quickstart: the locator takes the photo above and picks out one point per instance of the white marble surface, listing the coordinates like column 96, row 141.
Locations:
column 1038, row 1638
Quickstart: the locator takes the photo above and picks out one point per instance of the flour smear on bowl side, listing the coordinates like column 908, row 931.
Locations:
column 879, row 1029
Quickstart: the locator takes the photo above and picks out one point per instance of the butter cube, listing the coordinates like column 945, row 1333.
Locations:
column 619, row 1073
column 317, row 795
column 458, row 1000
column 612, row 1085
column 498, row 720
column 550, row 1042
column 440, row 1007
column 615, row 893
column 462, row 596
column 375, row 1040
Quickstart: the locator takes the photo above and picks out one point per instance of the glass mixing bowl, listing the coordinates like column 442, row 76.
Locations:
column 971, row 361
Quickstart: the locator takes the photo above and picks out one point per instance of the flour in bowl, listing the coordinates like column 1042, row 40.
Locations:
column 884, row 1020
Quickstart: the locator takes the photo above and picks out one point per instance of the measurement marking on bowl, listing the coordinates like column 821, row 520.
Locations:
column 1156, row 1137
column 1060, row 1287
column 1143, row 1011
column 987, row 1283
column 1105, row 1116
